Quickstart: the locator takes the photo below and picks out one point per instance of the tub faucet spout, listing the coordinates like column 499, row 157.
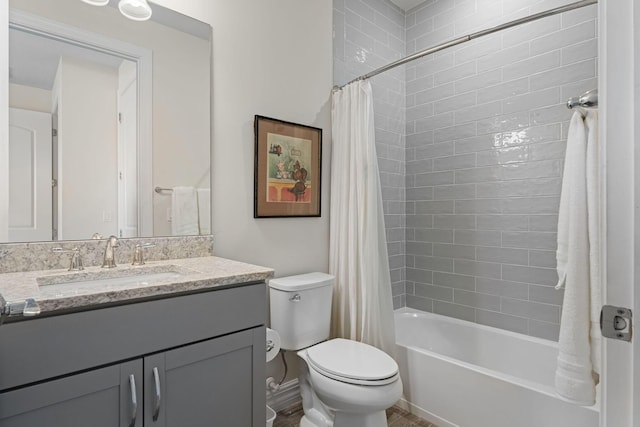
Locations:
column 109, row 253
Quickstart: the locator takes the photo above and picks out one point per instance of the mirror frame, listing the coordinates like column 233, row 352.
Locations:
column 144, row 66
column 4, row 119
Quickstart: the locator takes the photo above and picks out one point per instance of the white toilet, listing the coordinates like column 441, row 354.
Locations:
column 343, row 383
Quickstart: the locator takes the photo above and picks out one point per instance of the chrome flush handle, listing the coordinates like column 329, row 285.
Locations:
column 31, row 308
column 27, row 308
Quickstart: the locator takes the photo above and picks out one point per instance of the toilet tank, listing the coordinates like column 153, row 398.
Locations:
column 301, row 309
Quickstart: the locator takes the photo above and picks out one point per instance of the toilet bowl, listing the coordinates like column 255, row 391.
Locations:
column 347, row 384
column 343, row 383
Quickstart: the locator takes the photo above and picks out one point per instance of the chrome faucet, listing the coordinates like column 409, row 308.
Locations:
column 109, row 254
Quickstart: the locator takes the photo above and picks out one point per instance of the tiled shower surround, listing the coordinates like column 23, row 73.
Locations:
column 485, row 126
column 367, row 36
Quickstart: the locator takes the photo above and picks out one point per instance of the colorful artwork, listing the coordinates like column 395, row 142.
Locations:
column 288, row 169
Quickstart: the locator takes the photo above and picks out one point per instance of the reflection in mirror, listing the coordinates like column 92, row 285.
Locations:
column 102, row 111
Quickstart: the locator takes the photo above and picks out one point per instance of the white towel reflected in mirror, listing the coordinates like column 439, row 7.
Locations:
column 184, row 212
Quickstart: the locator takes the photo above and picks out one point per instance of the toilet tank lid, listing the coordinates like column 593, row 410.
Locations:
column 301, row 282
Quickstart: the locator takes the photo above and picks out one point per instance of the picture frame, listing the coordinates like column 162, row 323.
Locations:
column 287, row 169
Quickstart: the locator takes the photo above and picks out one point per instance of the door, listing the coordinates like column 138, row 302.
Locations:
column 30, row 209
column 620, row 134
column 127, row 150
column 205, row 384
column 106, row 397
column 55, row 217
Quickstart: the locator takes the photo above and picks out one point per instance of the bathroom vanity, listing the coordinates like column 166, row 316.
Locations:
column 182, row 346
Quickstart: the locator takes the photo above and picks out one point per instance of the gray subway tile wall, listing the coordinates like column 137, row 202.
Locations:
column 509, row 123
column 472, row 156
column 367, row 35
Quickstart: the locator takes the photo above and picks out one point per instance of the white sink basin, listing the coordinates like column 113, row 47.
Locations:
column 141, row 280
column 109, row 279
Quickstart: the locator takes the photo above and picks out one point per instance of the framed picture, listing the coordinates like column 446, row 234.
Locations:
column 288, row 163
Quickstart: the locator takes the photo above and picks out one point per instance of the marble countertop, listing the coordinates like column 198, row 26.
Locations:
column 62, row 290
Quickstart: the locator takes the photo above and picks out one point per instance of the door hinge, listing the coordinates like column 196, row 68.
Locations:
column 54, row 182
column 54, row 132
column 119, row 117
column 615, row 322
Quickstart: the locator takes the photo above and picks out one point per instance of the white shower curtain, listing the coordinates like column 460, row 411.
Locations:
column 362, row 302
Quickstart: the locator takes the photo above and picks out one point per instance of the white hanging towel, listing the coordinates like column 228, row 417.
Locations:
column 578, row 244
column 204, row 210
column 593, row 205
column 184, row 211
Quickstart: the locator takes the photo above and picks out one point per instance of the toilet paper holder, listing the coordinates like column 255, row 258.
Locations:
column 273, row 350
column 272, row 344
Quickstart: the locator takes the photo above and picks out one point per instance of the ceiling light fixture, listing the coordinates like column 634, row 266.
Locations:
column 138, row 10
column 97, row 2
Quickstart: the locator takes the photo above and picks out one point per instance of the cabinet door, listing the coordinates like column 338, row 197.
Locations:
column 214, row 383
column 99, row 398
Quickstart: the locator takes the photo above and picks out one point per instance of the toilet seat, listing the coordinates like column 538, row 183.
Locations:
column 352, row 362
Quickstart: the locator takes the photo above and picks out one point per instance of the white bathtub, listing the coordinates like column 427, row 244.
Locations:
column 458, row 373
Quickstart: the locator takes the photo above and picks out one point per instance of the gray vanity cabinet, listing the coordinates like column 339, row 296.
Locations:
column 194, row 360
column 204, row 384
column 104, row 397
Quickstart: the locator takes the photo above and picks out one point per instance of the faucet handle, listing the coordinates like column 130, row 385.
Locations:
column 109, row 255
column 76, row 260
column 138, row 253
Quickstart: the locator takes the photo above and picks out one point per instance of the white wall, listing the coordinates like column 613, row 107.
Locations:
column 29, row 98
column 270, row 58
column 88, row 171
column 274, row 59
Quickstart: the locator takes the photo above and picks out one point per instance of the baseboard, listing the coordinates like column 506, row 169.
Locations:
column 426, row 415
column 287, row 396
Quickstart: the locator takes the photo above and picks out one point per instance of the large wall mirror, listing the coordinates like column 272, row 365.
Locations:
column 109, row 122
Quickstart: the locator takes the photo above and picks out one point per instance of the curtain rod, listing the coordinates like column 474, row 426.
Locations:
column 472, row 36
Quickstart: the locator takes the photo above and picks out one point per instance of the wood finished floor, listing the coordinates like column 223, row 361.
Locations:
column 396, row 417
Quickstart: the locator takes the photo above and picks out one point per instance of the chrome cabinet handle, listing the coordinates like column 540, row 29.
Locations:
column 134, row 400
column 158, row 396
